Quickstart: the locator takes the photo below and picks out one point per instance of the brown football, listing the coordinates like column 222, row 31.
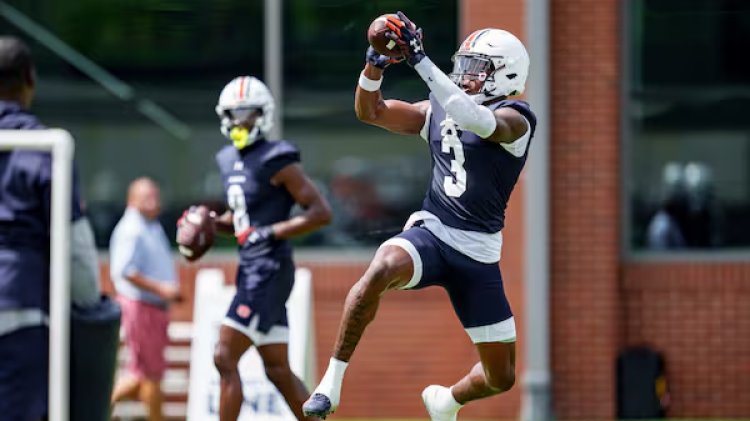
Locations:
column 195, row 233
column 376, row 37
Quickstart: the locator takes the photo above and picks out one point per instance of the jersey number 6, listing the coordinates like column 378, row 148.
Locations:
column 236, row 201
column 454, row 186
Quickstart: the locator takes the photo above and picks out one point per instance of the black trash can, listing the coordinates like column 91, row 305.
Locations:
column 94, row 341
column 641, row 384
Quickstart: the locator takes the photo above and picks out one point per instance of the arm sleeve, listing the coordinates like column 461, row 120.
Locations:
column 84, row 264
column 457, row 104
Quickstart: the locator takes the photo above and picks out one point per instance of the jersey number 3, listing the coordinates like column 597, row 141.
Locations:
column 454, row 186
column 236, row 201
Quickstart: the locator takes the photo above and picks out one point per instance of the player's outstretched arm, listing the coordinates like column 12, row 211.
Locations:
column 505, row 125
column 396, row 116
column 317, row 210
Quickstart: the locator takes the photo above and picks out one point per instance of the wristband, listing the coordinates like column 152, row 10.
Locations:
column 368, row 84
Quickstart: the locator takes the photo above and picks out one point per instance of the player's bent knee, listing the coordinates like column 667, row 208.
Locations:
column 223, row 360
column 377, row 278
column 385, row 270
column 373, row 282
column 501, row 382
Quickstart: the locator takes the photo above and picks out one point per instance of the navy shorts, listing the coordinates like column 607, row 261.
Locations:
column 24, row 356
column 475, row 288
column 259, row 307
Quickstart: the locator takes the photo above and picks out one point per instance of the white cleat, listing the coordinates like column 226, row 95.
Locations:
column 440, row 403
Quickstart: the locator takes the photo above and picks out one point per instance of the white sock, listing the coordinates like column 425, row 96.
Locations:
column 330, row 385
column 446, row 401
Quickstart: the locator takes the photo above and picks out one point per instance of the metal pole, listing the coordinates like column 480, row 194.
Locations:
column 59, row 328
column 536, row 379
column 272, row 55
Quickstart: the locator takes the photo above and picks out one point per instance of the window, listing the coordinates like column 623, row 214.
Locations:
column 688, row 128
column 373, row 179
column 180, row 53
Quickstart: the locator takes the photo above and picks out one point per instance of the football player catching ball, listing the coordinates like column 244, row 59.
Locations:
column 478, row 138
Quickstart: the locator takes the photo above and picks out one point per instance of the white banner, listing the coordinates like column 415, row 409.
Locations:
column 262, row 402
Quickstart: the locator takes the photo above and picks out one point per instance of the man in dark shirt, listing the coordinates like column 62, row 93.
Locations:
column 25, row 188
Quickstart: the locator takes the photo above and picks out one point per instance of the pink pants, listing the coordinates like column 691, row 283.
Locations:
column 146, row 337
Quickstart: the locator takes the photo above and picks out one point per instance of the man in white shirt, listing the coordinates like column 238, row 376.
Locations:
column 143, row 272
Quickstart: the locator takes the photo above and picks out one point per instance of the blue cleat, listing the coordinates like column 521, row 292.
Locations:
column 318, row 405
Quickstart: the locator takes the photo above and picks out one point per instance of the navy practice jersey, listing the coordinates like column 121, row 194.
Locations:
column 472, row 179
column 25, row 188
column 254, row 201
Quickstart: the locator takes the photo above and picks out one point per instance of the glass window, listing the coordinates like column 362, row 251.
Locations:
column 177, row 54
column 688, row 183
column 374, row 179
column 180, row 53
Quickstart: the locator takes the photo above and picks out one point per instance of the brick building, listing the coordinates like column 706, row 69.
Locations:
column 602, row 299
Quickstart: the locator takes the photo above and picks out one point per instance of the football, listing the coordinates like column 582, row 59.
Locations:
column 195, row 232
column 376, row 37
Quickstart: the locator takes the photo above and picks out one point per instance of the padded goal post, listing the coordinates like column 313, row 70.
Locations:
column 61, row 145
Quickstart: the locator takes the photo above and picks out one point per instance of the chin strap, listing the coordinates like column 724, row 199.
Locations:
column 483, row 96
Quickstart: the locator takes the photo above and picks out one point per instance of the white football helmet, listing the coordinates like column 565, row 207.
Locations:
column 495, row 57
column 240, row 97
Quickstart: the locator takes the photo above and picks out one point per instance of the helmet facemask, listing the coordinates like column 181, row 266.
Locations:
column 488, row 70
column 234, row 126
column 243, row 99
column 468, row 67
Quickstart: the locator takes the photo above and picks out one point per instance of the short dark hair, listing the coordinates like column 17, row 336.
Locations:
column 16, row 65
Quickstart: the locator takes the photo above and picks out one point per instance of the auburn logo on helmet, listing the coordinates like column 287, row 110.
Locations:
column 472, row 39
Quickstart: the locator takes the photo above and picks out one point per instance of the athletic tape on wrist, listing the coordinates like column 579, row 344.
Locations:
column 368, row 84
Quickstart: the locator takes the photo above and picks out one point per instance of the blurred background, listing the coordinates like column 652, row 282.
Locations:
column 644, row 146
column 180, row 54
